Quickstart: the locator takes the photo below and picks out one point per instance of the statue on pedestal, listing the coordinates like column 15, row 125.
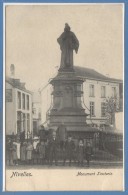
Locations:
column 67, row 105
column 68, row 42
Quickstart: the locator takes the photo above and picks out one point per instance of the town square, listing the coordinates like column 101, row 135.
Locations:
column 74, row 118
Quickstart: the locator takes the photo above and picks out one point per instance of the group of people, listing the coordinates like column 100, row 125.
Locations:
column 45, row 151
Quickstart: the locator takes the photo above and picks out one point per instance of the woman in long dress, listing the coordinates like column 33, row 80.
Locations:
column 14, row 154
column 23, row 152
column 29, row 150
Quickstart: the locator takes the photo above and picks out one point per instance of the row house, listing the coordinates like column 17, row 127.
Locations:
column 18, row 108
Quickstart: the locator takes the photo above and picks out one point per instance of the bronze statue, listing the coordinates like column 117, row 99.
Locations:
column 68, row 42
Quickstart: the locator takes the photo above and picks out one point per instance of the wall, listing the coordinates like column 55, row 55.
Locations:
column 36, row 107
column 24, row 111
column 36, row 113
column 10, row 112
column 46, row 102
column 12, row 109
column 97, row 119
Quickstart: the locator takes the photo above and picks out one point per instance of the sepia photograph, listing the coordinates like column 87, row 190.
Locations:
column 64, row 97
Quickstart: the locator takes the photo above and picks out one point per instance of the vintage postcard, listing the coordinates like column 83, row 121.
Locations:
column 63, row 81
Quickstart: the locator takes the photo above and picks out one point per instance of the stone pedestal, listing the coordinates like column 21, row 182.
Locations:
column 67, row 106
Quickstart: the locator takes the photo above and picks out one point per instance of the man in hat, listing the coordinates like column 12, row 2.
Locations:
column 69, row 150
column 53, row 148
column 88, row 153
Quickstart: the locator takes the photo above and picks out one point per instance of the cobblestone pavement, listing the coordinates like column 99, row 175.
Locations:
column 93, row 165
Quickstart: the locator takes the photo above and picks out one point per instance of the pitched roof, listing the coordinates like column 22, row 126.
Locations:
column 94, row 75
column 16, row 83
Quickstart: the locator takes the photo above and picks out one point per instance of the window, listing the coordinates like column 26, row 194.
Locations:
column 28, row 122
column 114, row 92
column 19, row 100
column 19, row 121
column 24, row 121
column 91, row 89
column 103, row 109
column 8, row 95
column 23, row 101
column 92, row 109
column 103, row 91
column 27, row 102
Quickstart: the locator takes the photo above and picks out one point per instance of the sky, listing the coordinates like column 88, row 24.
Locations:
column 32, row 32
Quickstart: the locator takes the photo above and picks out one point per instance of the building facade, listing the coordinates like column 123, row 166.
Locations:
column 18, row 103
column 95, row 95
column 97, row 88
column 36, row 112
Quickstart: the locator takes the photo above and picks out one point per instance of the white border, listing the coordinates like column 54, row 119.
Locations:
column 4, row 60
column 3, row 97
column 123, row 50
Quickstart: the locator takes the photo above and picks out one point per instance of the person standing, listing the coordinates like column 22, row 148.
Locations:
column 17, row 145
column 61, row 135
column 69, row 149
column 35, row 152
column 23, row 152
column 9, row 148
column 80, row 152
column 14, row 154
column 42, row 151
column 53, row 148
column 47, row 149
column 29, row 150
column 88, row 153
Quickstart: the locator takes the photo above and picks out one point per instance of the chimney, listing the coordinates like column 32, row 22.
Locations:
column 12, row 71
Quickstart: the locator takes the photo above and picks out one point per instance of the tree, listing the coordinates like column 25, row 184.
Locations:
column 112, row 106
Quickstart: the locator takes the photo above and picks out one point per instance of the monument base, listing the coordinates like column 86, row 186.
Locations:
column 67, row 106
column 73, row 120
